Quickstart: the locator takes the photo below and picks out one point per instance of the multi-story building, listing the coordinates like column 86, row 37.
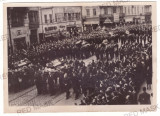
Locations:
column 110, row 15
column 29, row 25
column 134, row 13
column 23, row 23
column 34, row 22
column 48, row 29
column 148, row 13
column 73, row 16
column 55, row 19
column 90, row 16
column 128, row 13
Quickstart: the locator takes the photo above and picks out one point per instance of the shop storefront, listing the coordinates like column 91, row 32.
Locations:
column 91, row 24
column 135, row 19
column 108, row 23
column 128, row 19
column 33, row 36
column 20, row 43
column 62, row 27
column 74, row 27
column 51, row 32
column 20, row 38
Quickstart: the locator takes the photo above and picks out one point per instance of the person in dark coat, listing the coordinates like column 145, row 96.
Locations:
column 144, row 98
column 38, row 82
column 51, row 84
column 44, row 82
column 66, row 83
column 76, row 84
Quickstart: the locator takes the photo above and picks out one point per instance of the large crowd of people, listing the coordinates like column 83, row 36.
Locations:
column 123, row 62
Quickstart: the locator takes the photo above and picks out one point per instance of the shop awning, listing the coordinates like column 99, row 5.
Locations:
column 129, row 19
column 91, row 22
column 107, row 21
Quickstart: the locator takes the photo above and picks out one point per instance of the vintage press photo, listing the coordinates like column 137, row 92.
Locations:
column 72, row 57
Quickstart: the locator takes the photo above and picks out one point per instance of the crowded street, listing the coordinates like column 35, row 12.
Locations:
column 106, row 66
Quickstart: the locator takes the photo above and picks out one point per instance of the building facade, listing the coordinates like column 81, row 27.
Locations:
column 110, row 15
column 30, row 25
column 57, row 19
column 91, row 18
column 34, row 22
column 23, row 24
column 148, row 13
column 134, row 13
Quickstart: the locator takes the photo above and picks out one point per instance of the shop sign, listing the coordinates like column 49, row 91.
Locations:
column 116, row 17
column 51, row 29
column 62, row 26
column 20, row 32
column 48, row 35
column 71, row 23
column 51, row 35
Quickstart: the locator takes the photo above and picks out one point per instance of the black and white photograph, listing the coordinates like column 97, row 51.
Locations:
column 80, row 55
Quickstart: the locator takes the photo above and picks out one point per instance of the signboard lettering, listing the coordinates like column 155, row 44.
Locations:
column 116, row 17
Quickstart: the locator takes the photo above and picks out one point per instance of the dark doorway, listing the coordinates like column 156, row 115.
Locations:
column 72, row 30
column 20, row 43
column 33, row 36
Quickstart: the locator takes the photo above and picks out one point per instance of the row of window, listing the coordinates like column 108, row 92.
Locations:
column 129, row 10
column 17, row 19
column 147, row 9
column 88, row 12
column 114, row 10
column 60, row 17
column 106, row 11
column 133, row 10
column 33, row 16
